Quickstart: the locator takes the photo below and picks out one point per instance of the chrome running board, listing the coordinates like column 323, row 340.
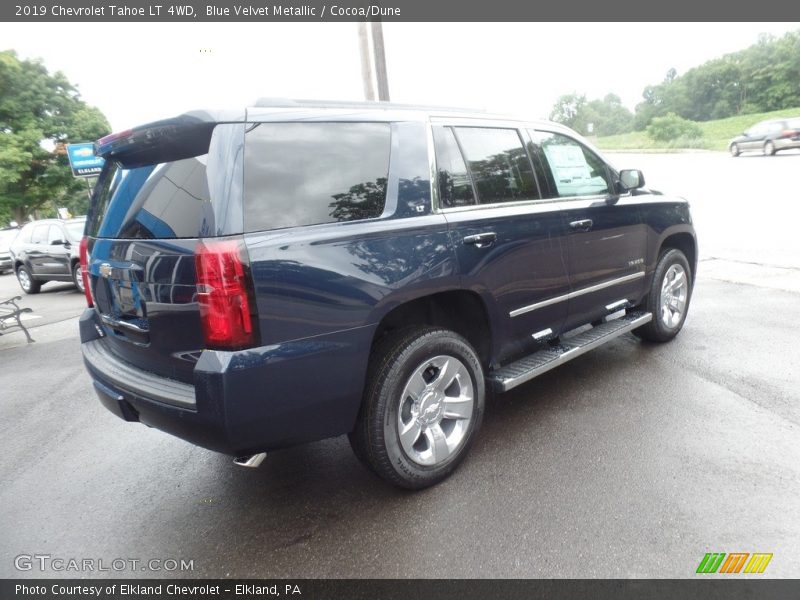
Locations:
column 533, row 365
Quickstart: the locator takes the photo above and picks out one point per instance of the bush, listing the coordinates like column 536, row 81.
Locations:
column 672, row 127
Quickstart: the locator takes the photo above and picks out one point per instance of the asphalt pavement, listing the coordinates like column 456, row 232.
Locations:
column 632, row 460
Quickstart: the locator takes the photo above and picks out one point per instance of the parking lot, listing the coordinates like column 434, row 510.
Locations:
column 633, row 460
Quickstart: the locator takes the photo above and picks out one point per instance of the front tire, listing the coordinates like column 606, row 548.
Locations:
column 422, row 407
column 769, row 149
column 77, row 277
column 668, row 298
column 735, row 150
column 26, row 281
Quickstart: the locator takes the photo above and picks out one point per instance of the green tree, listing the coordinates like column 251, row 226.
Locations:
column 763, row 77
column 570, row 110
column 607, row 116
column 40, row 112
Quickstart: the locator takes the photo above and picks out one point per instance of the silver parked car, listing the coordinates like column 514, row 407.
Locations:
column 767, row 137
column 6, row 237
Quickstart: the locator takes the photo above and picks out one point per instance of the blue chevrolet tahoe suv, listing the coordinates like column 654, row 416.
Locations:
column 299, row 270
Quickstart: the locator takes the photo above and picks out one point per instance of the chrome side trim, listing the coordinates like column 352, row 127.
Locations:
column 543, row 333
column 587, row 290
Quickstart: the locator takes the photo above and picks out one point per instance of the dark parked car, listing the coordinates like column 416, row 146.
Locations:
column 302, row 270
column 767, row 137
column 7, row 236
column 47, row 250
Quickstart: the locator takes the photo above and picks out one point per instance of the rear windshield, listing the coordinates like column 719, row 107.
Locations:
column 168, row 200
column 310, row 173
column 173, row 199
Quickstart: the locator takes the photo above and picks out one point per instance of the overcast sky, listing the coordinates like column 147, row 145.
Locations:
column 159, row 70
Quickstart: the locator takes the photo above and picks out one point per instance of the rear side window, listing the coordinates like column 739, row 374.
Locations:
column 498, row 163
column 455, row 187
column 309, row 173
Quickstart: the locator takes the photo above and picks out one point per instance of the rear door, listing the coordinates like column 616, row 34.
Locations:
column 508, row 242
column 144, row 228
column 606, row 241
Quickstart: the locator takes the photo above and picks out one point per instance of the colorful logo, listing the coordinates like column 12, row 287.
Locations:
column 714, row 562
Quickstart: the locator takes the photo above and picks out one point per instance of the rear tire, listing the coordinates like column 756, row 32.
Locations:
column 422, row 407
column 26, row 281
column 668, row 298
column 769, row 149
column 735, row 150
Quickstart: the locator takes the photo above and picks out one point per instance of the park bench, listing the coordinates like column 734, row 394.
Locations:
column 10, row 316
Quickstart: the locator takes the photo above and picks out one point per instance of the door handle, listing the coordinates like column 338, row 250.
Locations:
column 481, row 240
column 582, row 225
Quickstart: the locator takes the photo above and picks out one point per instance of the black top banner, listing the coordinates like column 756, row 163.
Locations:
column 398, row 11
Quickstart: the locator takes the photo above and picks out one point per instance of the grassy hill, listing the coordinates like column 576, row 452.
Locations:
column 716, row 134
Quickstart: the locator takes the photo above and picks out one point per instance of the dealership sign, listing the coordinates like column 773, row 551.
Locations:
column 83, row 161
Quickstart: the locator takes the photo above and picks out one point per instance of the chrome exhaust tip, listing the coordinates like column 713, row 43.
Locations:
column 252, row 461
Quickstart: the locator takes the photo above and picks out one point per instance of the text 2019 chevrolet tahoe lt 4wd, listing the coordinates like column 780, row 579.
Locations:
column 300, row 270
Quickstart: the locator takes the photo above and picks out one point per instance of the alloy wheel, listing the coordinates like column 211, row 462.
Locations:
column 674, row 293
column 435, row 410
column 24, row 279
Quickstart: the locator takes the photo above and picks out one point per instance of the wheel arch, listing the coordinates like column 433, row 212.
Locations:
column 686, row 243
column 459, row 310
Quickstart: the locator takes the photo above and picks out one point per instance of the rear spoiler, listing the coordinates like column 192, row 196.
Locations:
column 162, row 141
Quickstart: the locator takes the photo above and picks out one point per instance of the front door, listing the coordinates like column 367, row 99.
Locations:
column 54, row 254
column 606, row 241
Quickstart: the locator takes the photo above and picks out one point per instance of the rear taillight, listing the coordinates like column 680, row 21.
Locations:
column 84, row 258
column 223, row 285
column 789, row 133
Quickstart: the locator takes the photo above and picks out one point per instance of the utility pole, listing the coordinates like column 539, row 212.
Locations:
column 380, row 61
column 373, row 61
column 366, row 63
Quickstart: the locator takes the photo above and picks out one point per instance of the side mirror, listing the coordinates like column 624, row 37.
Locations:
column 58, row 243
column 630, row 179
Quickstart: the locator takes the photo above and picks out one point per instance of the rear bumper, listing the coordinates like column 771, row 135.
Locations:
column 239, row 402
column 785, row 143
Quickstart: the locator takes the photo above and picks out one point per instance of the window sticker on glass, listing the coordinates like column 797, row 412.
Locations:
column 576, row 170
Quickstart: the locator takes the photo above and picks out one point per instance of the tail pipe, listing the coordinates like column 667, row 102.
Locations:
column 252, row 461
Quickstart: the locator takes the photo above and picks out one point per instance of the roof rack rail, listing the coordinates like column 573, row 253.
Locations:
column 302, row 103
